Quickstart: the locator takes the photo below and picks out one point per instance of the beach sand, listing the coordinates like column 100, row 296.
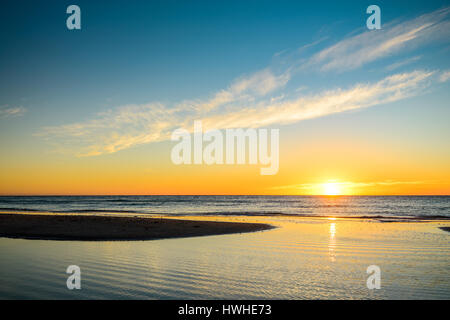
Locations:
column 83, row 227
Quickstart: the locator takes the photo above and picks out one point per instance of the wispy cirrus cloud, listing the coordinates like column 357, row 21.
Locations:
column 6, row 111
column 369, row 46
column 132, row 125
column 244, row 89
column 116, row 129
column 445, row 76
column 359, row 96
column 402, row 63
column 262, row 99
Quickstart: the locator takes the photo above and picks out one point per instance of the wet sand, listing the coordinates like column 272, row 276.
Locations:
column 107, row 228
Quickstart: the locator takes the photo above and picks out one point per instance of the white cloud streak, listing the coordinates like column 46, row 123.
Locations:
column 6, row 112
column 402, row 63
column 133, row 125
column 371, row 45
column 445, row 76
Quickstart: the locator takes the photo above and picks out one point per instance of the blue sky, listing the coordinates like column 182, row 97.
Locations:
column 163, row 50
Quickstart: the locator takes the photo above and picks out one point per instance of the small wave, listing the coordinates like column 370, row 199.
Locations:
column 19, row 209
column 383, row 218
column 96, row 211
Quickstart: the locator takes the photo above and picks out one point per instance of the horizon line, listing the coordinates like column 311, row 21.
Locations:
column 219, row 195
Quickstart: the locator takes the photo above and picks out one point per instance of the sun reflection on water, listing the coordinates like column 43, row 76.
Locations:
column 332, row 242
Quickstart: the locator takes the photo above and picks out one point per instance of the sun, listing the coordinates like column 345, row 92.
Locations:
column 331, row 189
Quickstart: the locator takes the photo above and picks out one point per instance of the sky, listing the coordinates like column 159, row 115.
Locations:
column 91, row 111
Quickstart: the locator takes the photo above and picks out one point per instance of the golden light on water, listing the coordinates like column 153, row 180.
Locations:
column 332, row 230
column 332, row 242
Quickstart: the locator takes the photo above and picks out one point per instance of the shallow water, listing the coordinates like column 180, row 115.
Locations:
column 304, row 258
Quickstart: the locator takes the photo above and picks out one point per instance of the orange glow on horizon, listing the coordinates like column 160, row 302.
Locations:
column 125, row 174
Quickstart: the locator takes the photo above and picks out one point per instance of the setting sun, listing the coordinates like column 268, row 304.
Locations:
column 331, row 189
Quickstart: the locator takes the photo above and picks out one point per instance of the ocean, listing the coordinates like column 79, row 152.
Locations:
column 429, row 207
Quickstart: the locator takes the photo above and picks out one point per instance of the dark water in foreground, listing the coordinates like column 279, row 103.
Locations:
column 354, row 206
